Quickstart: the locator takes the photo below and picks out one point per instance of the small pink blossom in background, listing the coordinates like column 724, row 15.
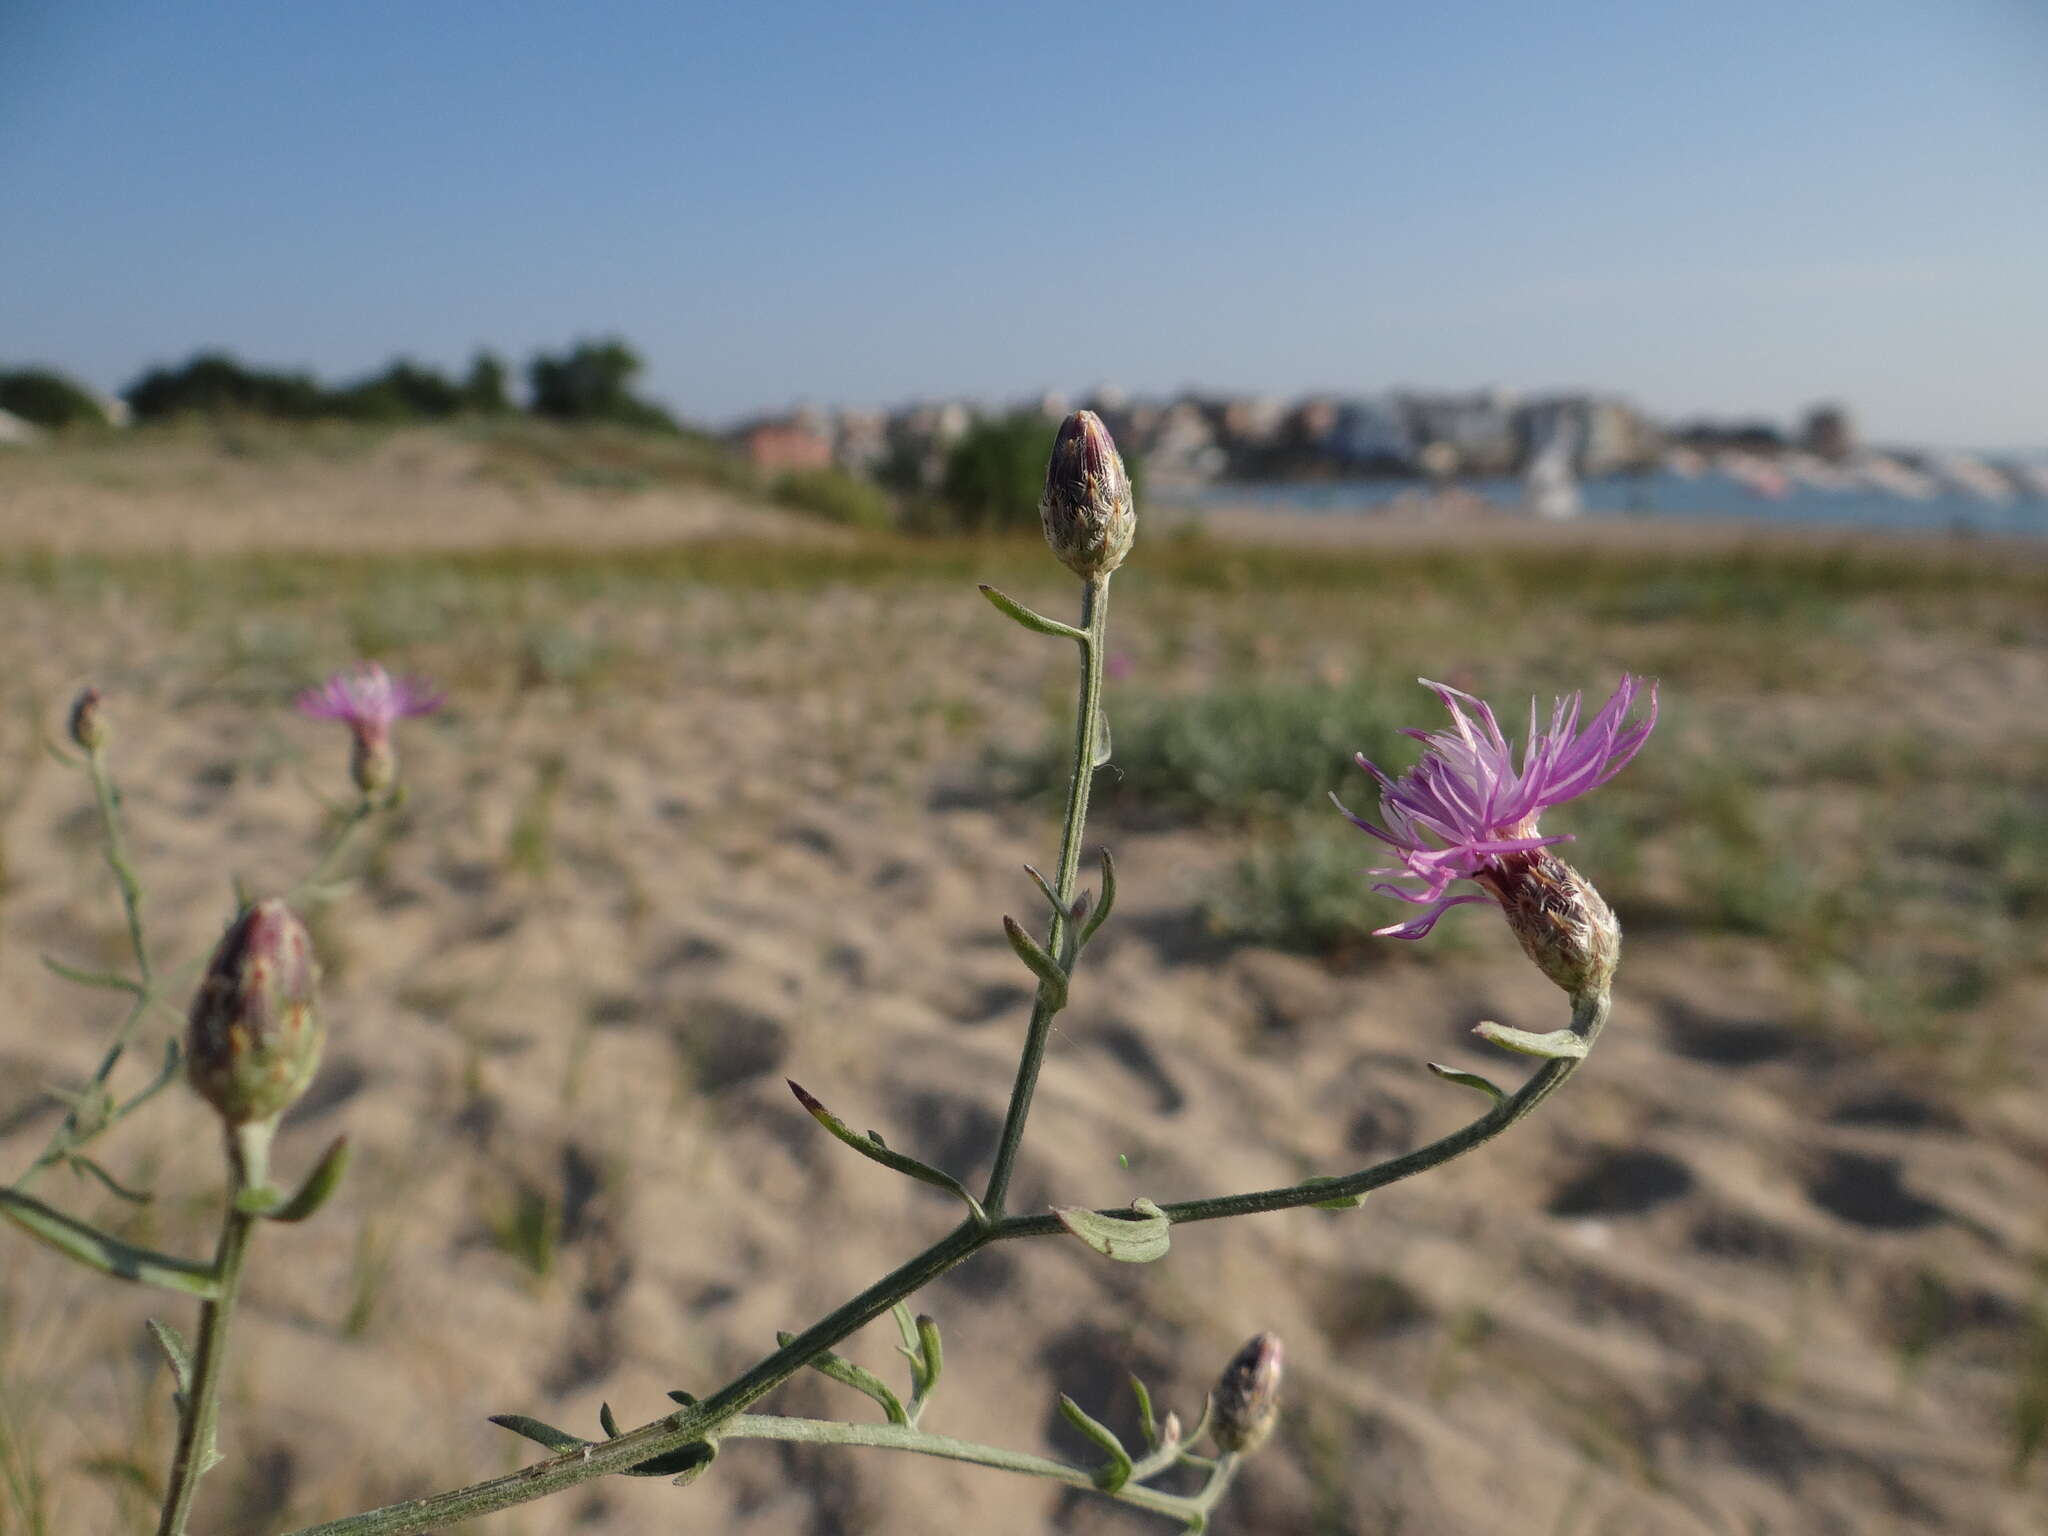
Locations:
column 1119, row 666
column 369, row 700
column 1465, row 807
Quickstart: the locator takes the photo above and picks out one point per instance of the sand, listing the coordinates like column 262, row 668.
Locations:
column 1737, row 1278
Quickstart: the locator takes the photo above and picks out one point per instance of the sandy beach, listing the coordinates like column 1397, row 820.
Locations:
column 1770, row 1263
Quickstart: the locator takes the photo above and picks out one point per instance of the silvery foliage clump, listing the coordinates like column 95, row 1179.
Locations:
column 252, row 1039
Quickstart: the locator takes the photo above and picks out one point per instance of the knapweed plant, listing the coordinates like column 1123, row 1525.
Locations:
column 249, row 1042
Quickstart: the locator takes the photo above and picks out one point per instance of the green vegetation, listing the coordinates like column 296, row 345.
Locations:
column 43, row 397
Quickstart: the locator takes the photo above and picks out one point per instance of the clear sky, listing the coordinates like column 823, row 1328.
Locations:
column 1721, row 208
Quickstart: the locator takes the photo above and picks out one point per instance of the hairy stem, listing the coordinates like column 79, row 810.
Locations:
column 1081, row 775
column 895, row 1437
column 706, row 1420
column 201, row 1413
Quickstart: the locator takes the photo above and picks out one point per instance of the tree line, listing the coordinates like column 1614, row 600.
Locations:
column 591, row 381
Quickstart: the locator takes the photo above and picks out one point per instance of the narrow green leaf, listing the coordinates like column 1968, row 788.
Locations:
column 1145, row 1415
column 1467, row 1080
column 847, row 1374
column 319, row 1186
column 1335, row 1203
column 1558, row 1044
column 556, row 1440
column 93, row 1247
column 1114, row 1472
column 687, row 1464
column 1037, row 623
column 934, row 1357
column 111, row 981
column 1042, row 965
column 172, row 1343
column 871, row 1147
column 607, row 1421
column 1128, row 1241
column 906, row 1328
column 84, row 1164
column 687, row 1399
column 1108, row 900
column 1045, row 887
column 173, row 1058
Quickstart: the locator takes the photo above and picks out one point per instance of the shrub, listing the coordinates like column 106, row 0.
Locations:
column 593, row 382
column 836, row 496
column 1246, row 750
column 214, row 383
column 45, row 398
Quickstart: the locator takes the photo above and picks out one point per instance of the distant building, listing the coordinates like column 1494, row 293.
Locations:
column 1473, row 434
column 1182, row 444
column 860, row 440
column 1371, row 437
column 779, row 447
column 1829, row 433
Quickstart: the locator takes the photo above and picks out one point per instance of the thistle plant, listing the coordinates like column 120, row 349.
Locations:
column 1467, row 811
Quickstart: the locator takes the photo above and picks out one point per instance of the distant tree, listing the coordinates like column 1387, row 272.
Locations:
column 483, row 388
column 593, row 382
column 995, row 472
column 404, row 391
column 46, row 398
column 213, row 383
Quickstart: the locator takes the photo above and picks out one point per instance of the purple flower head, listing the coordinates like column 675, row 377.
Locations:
column 369, row 699
column 1465, row 810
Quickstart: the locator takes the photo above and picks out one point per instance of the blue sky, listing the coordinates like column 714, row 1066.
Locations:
column 1735, row 208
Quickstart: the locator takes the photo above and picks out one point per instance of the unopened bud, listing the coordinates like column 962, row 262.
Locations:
column 1169, row 1429
column 1561, row 921
column 254, row 1036
column 1086, row 509
column 88, row 727
column 1248, row 1396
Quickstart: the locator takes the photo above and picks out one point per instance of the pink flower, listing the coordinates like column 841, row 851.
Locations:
column 368, row 699
column 1466, row 809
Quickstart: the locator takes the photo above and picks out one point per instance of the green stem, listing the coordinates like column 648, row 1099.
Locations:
column 706, row 1420
column 358, row 814
column 1081, row 775
column 895, row 1437
column 117, row 857
column 201, row 1414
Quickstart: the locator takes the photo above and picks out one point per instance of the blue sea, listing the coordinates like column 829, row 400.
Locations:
column 1668, row 495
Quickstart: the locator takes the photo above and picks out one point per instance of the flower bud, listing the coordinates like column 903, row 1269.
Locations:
column 1086, row 509
column 1560, row 920
column 88, row 727
column 1248, row 1396
column 254, row 1035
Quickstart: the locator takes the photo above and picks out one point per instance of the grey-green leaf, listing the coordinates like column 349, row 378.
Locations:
column 1557, row 1044
column 1114, row 1472
column 1127, row 1240
column 93, row 1247
column 1336, row 1202
column 319, row 1186
column 172, row 1343
column 1033, row 954
column 556, row 1440
column 1037, row 623
column 847, row 1374
column 1101, row 912
column 1467, row 1080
